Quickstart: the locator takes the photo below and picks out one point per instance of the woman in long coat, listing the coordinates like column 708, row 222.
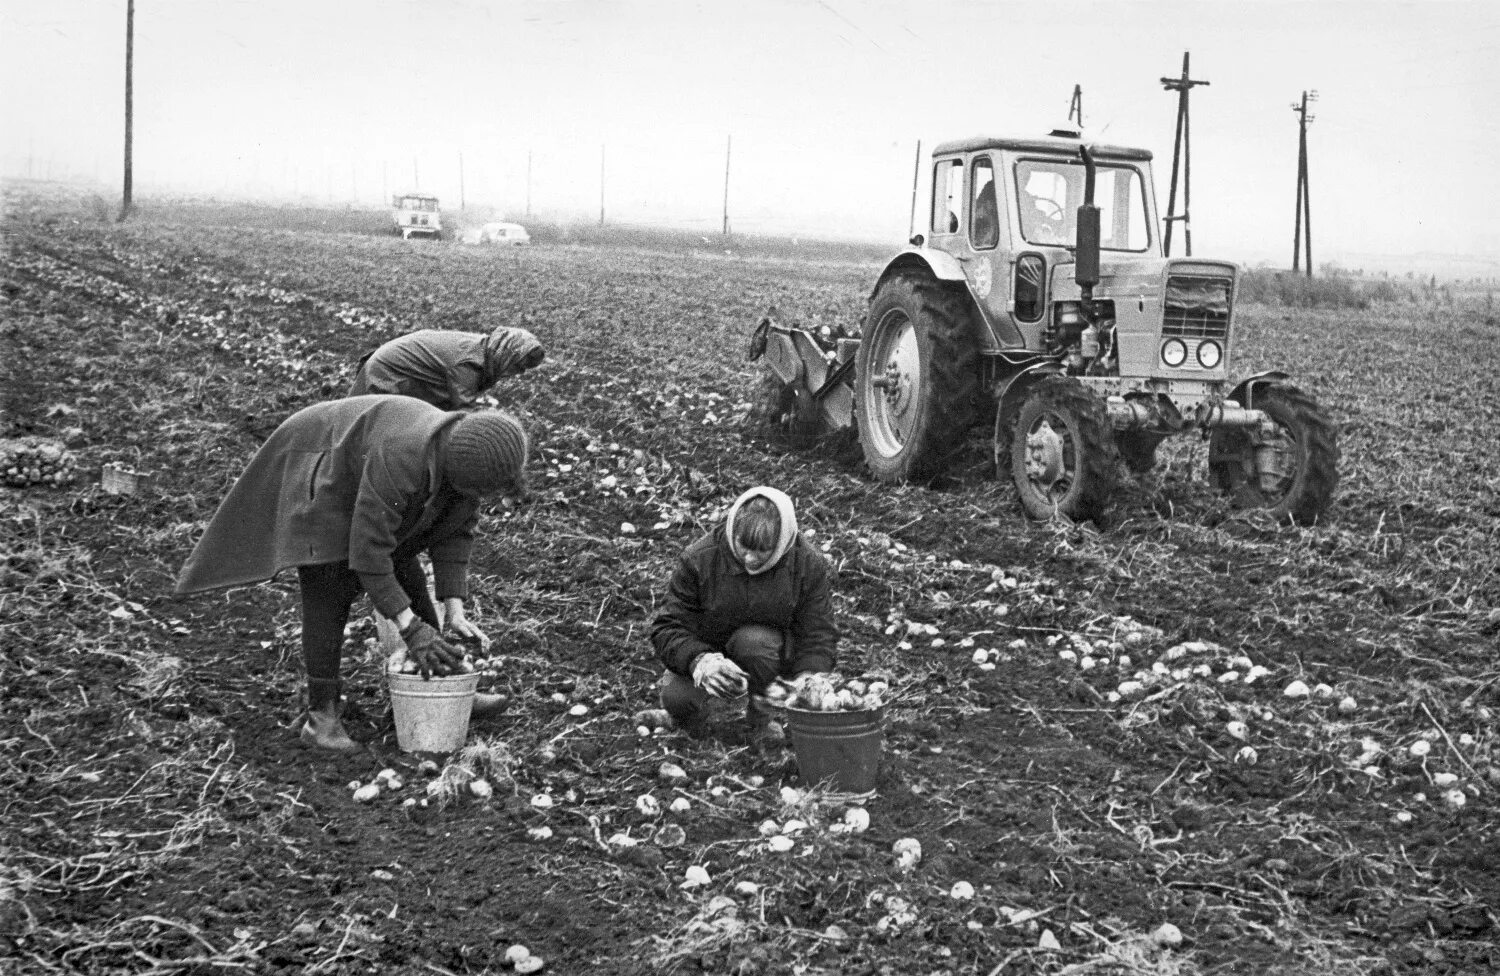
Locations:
column 349, row 492
column 449, row 370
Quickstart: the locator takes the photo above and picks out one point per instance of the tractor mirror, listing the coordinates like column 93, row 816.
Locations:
column 1086, row 256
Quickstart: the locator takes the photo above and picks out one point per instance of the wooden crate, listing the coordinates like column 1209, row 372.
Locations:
column 120, row 480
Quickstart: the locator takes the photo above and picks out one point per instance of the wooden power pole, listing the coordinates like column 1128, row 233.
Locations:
column 916, row 172
column 126, row 204
column 728, row 145
column 1304, row 206
column 1075, row 108
column 1181, row 152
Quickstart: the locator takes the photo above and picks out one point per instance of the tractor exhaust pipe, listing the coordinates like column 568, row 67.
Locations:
column 1086, row 246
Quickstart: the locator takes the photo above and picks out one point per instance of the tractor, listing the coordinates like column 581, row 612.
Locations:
column 1038, row 299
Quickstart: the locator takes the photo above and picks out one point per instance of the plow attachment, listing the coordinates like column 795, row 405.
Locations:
column 809, row 376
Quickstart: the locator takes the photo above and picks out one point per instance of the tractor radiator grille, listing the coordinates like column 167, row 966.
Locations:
column 1197, row 308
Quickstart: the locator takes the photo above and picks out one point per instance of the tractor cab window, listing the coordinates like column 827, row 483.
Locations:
column 947, row 195
column 1050, row 191
column 984, row 220
column 1122, row 212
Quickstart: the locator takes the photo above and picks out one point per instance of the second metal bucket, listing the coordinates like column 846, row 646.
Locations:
column 838, row 749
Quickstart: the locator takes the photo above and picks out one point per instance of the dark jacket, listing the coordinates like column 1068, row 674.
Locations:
column 711, row 594
column 348, row 480
column 446, row 369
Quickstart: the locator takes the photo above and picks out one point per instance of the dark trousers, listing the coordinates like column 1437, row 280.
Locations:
column 759, row 650
column 328, row 591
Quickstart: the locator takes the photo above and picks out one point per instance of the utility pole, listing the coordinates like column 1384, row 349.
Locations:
column 1304, row 205
column 1076, row 106
column 126, row 204
column 1181, row 151
column 601, row 184
column 916, row 172
column 416, row 177
column 728, row 145
column 460, row 182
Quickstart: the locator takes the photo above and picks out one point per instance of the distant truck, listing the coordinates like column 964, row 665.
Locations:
column 417, row 214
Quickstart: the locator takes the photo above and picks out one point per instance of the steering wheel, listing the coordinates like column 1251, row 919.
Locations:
column 1050, row 209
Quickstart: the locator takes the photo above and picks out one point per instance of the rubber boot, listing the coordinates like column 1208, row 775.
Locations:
column 762, row 728
column 322, row 727
column 487, row 706
column 687, row 705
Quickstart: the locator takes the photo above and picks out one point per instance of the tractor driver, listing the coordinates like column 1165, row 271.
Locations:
column 1044, row 222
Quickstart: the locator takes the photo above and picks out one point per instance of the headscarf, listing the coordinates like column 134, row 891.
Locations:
column 788, row 526
column 509, row 352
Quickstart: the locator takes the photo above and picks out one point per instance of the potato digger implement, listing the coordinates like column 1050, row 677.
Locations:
column 1038, row 300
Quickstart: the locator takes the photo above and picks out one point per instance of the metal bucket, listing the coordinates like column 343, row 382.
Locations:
column 432, row 714
column 838, row 749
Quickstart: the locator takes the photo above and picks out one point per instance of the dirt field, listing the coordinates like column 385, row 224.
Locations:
column 157, row 816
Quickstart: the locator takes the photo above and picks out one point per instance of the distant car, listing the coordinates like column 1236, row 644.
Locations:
column 501, row 232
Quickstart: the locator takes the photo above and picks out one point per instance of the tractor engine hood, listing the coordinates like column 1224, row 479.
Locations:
column 1116, row 278
column 1126, row 277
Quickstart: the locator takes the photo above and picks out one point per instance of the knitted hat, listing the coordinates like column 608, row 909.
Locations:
column 486, row 454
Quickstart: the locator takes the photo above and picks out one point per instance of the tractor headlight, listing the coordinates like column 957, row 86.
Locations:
column 1174, row 352
column 1209, row 354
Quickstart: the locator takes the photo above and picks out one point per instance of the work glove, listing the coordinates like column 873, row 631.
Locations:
column 719, row 676
column 428, row 651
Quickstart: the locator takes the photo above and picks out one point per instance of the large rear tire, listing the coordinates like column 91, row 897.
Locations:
column 1294, row 472
column 1061, row 452
column 917, row 376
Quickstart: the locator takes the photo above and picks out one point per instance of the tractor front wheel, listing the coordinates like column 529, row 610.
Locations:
column 1061, row 451
column 1290, row 466
column 917, row 375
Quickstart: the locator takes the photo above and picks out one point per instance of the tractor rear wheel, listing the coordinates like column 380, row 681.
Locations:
column 1291, row 471
column 917, row 376
column 1061, row 451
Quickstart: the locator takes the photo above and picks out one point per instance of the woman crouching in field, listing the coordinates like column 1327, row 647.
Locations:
column 350, row 492
column 748, row 603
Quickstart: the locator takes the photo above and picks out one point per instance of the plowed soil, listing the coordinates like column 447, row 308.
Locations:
column 159, row 817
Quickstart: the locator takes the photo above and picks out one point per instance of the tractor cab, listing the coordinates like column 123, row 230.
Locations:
column 1006, row 210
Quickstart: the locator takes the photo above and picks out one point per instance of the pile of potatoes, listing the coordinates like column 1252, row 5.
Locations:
column 828, row 693
column 30, row 461
column 399, row 663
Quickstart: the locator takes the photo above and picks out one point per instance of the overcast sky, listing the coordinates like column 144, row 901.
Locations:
column 825, row 101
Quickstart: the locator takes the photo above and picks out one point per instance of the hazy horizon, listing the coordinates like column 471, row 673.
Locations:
column 567, row 105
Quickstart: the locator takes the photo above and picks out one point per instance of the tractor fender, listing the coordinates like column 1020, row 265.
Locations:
column 1011, row 388
column 940, row 264
column 1246, row 387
